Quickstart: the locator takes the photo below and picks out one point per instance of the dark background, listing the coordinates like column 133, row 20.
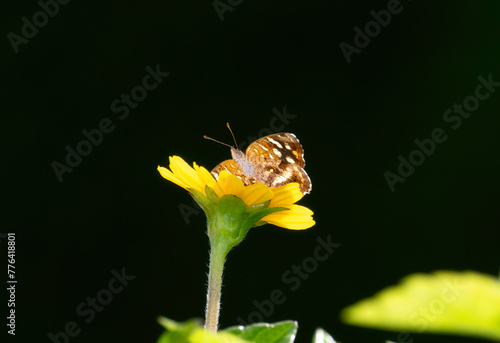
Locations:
column 114, row 211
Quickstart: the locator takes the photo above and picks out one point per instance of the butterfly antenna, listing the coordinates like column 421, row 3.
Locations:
column 234, row 139
column 211, row 139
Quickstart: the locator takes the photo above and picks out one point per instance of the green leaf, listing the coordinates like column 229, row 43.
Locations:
column 176, row 332
column 321, row 336
column 461, row 303
column 281, row 332
column 193, row 332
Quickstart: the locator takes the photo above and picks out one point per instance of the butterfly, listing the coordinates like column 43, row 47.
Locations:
column 274, row 160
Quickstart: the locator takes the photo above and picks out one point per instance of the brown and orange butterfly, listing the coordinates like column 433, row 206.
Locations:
column 274, row 160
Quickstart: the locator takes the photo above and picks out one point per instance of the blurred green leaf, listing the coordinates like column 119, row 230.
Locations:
column 461, row 303
column 281, row 332
column 321, row 336
column 192, row 332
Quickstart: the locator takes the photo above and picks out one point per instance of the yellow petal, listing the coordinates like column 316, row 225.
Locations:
column 167, row 174
column 204, row 175
column 186, row 174
column 296, row 218
column 257, row 193
column 229, row 184
column 285, row 196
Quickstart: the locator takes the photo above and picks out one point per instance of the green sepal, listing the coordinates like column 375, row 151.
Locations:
column 258, row 207
column 255, row 218
column 259, row 223
column 231, row 219
column 226, row 221
column 211, row 195
column 202, row 200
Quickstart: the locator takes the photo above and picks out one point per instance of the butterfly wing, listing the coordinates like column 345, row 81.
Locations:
column 229, row 165
column 276, row 147
column 279, row 159
column 232, row 167
column 288, row 172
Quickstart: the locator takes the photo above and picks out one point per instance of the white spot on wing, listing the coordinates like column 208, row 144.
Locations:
column 275, row 142
column 277, row 152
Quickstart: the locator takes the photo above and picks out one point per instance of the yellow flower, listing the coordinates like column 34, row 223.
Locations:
column 296, row 217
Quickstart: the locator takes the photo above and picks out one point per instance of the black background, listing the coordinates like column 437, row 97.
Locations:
column 114, row 210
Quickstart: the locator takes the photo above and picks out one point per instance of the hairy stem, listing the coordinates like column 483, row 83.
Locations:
column 217, row 256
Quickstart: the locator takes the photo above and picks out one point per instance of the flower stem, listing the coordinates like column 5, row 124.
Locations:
column 218, row 254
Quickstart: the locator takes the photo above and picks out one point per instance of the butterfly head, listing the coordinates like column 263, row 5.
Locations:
column 237, row 155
